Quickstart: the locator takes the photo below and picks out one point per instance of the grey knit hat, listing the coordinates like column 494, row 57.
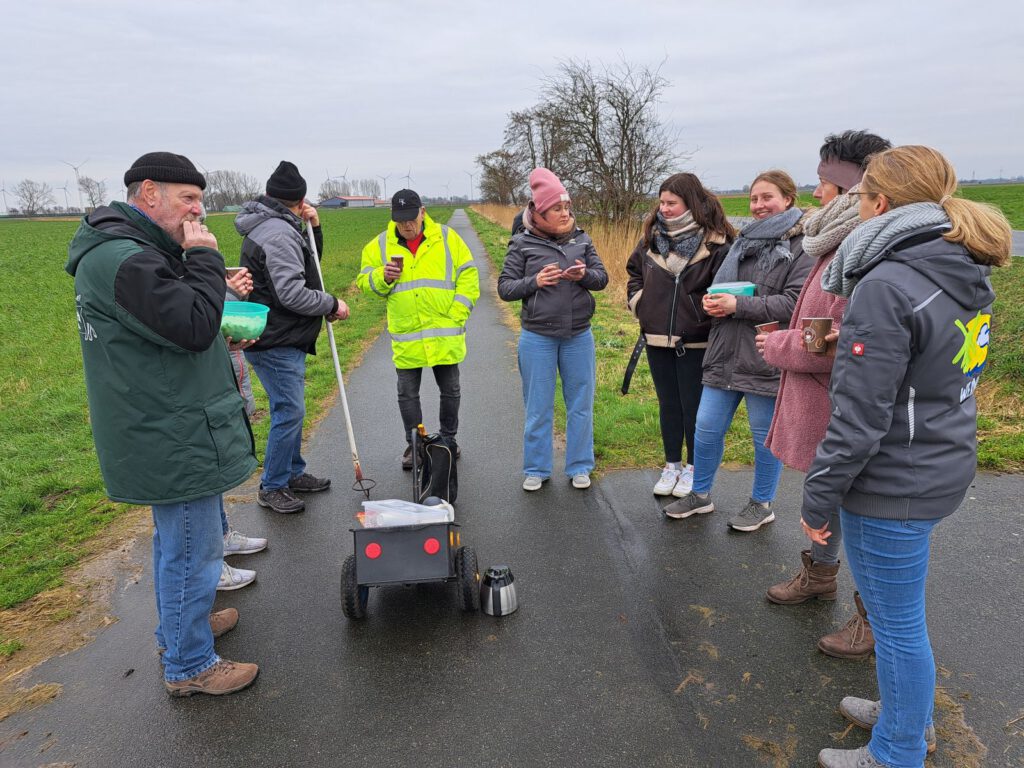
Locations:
column 166, row 167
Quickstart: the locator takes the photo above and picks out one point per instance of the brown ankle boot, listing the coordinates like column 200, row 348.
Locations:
column 854, row 641
column 814, row 580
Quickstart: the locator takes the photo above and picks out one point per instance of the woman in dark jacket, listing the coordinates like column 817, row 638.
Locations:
column 552, row 266
column 767, row 253
column 900, row 450
column 685, row 240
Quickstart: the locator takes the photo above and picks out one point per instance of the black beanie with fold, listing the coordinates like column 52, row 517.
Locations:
column 286, row 183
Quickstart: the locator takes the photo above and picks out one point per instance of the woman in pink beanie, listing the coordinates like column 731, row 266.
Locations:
column 551, row 266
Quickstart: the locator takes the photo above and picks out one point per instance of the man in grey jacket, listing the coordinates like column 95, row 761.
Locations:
column 285, row 278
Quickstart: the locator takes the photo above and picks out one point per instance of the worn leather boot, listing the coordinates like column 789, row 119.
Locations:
column 814, row 580
column 854, row 641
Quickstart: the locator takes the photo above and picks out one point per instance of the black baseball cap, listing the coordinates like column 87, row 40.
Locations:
column 405, row 205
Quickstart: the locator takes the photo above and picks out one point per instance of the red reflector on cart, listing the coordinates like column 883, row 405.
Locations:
column 431, row 546
column 373, row 550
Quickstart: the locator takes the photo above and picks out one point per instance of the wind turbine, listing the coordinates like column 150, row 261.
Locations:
column 3, row 191
column 447, row 189
column 78, row 180
column 67, row 205
column 408, row 178
column 471, row 177
column 385, row 180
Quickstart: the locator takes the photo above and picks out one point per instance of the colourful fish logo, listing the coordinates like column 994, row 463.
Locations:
column 974, row 351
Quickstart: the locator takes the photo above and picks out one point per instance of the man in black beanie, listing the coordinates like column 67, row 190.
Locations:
column 285, row 278
column 168, row 421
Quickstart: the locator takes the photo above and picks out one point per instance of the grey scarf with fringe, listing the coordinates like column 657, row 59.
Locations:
column 762, row 239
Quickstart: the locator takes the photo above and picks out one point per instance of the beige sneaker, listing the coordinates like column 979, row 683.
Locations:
column 223, row 621
column 222, row 678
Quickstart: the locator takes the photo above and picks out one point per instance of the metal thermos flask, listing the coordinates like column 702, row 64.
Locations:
column 498, row 591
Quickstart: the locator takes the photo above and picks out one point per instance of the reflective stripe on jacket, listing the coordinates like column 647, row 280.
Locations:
column 429, row 304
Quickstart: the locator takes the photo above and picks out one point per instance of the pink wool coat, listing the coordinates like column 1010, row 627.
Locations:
column 802, row 408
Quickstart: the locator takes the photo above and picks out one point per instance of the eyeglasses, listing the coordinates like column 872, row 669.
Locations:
column 854, row 194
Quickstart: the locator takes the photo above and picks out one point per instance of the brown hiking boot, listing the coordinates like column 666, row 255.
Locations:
column 814, row 580
column 854, row 641
column 222, row 622
column 222, row 678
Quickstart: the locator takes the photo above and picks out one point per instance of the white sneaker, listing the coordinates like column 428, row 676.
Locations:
column 685, row 482
column 581, row 480
column 236, row 543
column 234, row 578
column 664, row 486
column 533, row 483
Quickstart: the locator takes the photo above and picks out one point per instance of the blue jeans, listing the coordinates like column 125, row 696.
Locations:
column 717, row 407
column 188, row 548
column 282, row 371
column 889, row 563
column 540, row 358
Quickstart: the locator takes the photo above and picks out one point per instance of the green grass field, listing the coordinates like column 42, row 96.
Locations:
column 51, row 497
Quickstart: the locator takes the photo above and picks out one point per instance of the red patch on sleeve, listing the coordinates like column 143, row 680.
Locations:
column 858, row 348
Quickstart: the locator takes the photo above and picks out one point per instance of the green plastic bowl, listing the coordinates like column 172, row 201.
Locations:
column 244, row 319
column 736, row 289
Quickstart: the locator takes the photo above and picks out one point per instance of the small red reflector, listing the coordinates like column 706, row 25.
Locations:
column 431, row 546
column 373, row 550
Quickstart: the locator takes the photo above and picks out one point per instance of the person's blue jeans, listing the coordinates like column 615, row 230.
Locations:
column 540, row 359
column 188, row 548
column 282, row 371
column 717, row 407
column 889, row 563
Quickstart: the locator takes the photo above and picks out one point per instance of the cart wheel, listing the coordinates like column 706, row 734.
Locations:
column 468, row 573
column 353, row 596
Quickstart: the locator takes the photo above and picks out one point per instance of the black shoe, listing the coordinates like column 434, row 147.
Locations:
column 407, row 459
column 280, row 500
column 307, row 483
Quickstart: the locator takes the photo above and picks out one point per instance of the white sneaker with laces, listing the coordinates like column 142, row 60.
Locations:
column 685, row 482
column 236, row 543
column 581, row 480
column 664, row 486
column 533, row 483
column 234, row 578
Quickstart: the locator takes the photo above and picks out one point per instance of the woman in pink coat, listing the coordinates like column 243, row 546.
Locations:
column 802, row 409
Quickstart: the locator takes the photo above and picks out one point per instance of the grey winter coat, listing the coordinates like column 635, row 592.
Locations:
column 563, row 310
column 732, row 361
column 902, row 439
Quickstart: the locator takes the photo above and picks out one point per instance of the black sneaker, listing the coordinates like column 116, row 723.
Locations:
column 307, row 483
column 280, row 500
column 407, row 459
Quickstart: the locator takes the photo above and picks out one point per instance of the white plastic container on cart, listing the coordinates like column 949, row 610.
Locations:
column 389, row 513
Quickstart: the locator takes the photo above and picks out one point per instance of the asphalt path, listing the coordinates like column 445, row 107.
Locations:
column 639, row 641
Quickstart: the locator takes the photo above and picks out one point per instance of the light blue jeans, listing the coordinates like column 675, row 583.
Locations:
column 717, row 407
column 188, row 548
column 282, row 371
column 540, row 358
column 889, row 563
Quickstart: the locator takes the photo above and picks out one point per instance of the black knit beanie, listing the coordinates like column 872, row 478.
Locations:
column 166, row 167
column 285, row 183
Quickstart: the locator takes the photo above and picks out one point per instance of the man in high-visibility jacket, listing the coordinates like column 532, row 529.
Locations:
column 425, row 272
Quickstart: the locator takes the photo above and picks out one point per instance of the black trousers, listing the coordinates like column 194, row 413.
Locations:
column 676, row 375
column 447, row 378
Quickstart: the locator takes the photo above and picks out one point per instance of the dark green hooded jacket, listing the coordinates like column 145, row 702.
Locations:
column 167, row 417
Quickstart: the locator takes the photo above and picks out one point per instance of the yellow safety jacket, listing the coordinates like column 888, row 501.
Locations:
column 429, row 304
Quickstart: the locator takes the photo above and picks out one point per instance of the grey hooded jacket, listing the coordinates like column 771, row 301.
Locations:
column 902, row 439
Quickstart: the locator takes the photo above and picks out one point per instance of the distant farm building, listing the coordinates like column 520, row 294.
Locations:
column 348, row 201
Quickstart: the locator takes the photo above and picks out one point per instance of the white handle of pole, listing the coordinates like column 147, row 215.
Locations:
column 334, row 355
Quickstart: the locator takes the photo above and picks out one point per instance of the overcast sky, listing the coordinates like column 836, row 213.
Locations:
column 378, row 88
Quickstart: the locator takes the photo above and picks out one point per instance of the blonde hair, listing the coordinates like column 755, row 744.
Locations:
column 780, row 179
column 916, row 174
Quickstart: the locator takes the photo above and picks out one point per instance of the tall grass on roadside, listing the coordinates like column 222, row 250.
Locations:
column 52, row 501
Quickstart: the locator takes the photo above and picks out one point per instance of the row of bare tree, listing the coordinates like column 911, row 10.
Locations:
column 35, row 197
column 598, row 130
column 344, row 188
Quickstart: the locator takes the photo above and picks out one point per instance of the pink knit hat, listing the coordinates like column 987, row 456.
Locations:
column 546, row 189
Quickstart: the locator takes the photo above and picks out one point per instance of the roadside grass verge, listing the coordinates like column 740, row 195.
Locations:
column 626, row 429
column 52, row 501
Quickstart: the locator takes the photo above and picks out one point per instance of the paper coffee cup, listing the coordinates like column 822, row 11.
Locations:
column 767, row 327
column 815, row 329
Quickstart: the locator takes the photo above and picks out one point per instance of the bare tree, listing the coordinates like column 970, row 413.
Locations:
column 331, row 188
column 224, row 188
column 366, row 187
column 600, row 133
column 35, row 196
column 502, row 177
column 95, row 191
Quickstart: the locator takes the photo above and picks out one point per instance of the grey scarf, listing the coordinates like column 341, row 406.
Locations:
column 681, row 236
column 763, row 239
column 872, row 239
